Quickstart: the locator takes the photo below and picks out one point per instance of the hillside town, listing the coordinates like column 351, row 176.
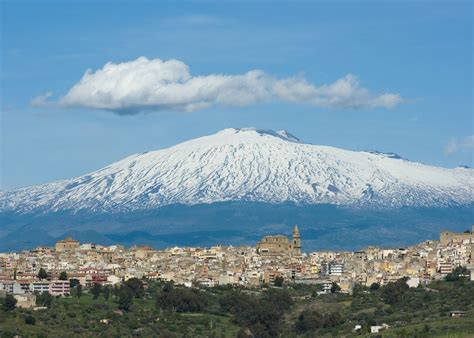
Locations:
column 50, row 269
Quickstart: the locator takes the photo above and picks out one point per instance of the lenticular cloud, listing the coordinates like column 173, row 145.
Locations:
column 157, row 85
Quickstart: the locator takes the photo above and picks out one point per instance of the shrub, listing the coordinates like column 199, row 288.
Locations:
column 136, row 287
column 278, row 281
column 30, row 320
column 42, row 274
column 393, row 292
column 181, row 299
column 125, row 298
column 374, row 286
column 335, row 287
column 9, row 303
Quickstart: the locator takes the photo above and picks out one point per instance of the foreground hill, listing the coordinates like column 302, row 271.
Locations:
column 164, row 310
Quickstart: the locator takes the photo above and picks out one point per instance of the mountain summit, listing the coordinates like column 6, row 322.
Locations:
column 250, row 165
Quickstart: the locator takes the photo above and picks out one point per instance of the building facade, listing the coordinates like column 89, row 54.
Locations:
column 281, row 245
column 67, row 244
column 448, row 236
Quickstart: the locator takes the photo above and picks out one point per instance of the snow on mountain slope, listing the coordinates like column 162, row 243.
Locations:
column 251, row 165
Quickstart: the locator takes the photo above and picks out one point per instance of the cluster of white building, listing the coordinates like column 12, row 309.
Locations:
column 110, row 265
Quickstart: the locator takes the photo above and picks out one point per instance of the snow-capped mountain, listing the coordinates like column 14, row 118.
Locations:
column 250, row 165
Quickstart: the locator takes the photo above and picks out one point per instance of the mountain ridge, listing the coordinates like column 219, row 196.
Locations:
column 250, row 164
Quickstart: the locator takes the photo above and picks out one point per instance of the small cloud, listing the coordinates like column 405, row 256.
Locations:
column 41, row 100
column 455, row 145
column 143, row 85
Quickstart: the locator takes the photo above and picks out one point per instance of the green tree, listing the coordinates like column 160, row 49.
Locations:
column 9, row 303
column 261, row 315
column 63, row 275
column 136, row 286
column 106, row 293
column 278, row 299
column 308, row 321
column 332, row 319
column 312, row 320
column 96, row 290
column 115, row 291
column 335, row 287
column 181, row 299
column 44, row 299
column 374, row 286
column 79, row 290
column 278, row 281
column 393, row 292
column 460, row 273
column 73, row 282
column 42, row 274
column 125, row 298
column 358, row 290
column 30, row 320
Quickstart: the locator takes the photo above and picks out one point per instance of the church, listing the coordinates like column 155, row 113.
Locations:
column 67, row 244
column 280, row 245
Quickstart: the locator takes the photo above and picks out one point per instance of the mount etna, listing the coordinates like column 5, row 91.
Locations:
column 234, row 186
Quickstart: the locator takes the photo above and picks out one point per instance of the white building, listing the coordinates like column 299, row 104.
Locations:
column 59, row 288
column 378, row 328
column 40, row 287
column 413, row 282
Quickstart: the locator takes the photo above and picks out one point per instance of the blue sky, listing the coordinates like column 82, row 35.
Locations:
column 421, row 51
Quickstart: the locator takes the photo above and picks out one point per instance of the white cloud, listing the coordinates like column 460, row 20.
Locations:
column 41, row 100
column 157, row 85
column 455, row 145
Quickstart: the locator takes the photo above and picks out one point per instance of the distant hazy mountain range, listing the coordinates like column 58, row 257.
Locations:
column 236, row 167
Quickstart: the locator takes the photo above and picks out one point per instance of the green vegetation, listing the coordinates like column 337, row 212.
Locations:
column 162, row 309
column 44, row 299
column 418, row 311
column 9, row 303
column 42, row 274
column 96, row 290
column 335, row 287
column 312, row 320
column 63, row 275
column 30, row 320
column 73, row 282
column 460, row 273
column 260, row 313
column 278, row 281
column 181, row 300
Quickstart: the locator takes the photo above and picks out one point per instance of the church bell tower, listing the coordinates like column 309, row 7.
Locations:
column 296, row 241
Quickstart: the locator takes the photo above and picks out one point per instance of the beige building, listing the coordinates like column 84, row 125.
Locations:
column 280, row 245
column 67, row 244
column 448, row 236
column 26, row 300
